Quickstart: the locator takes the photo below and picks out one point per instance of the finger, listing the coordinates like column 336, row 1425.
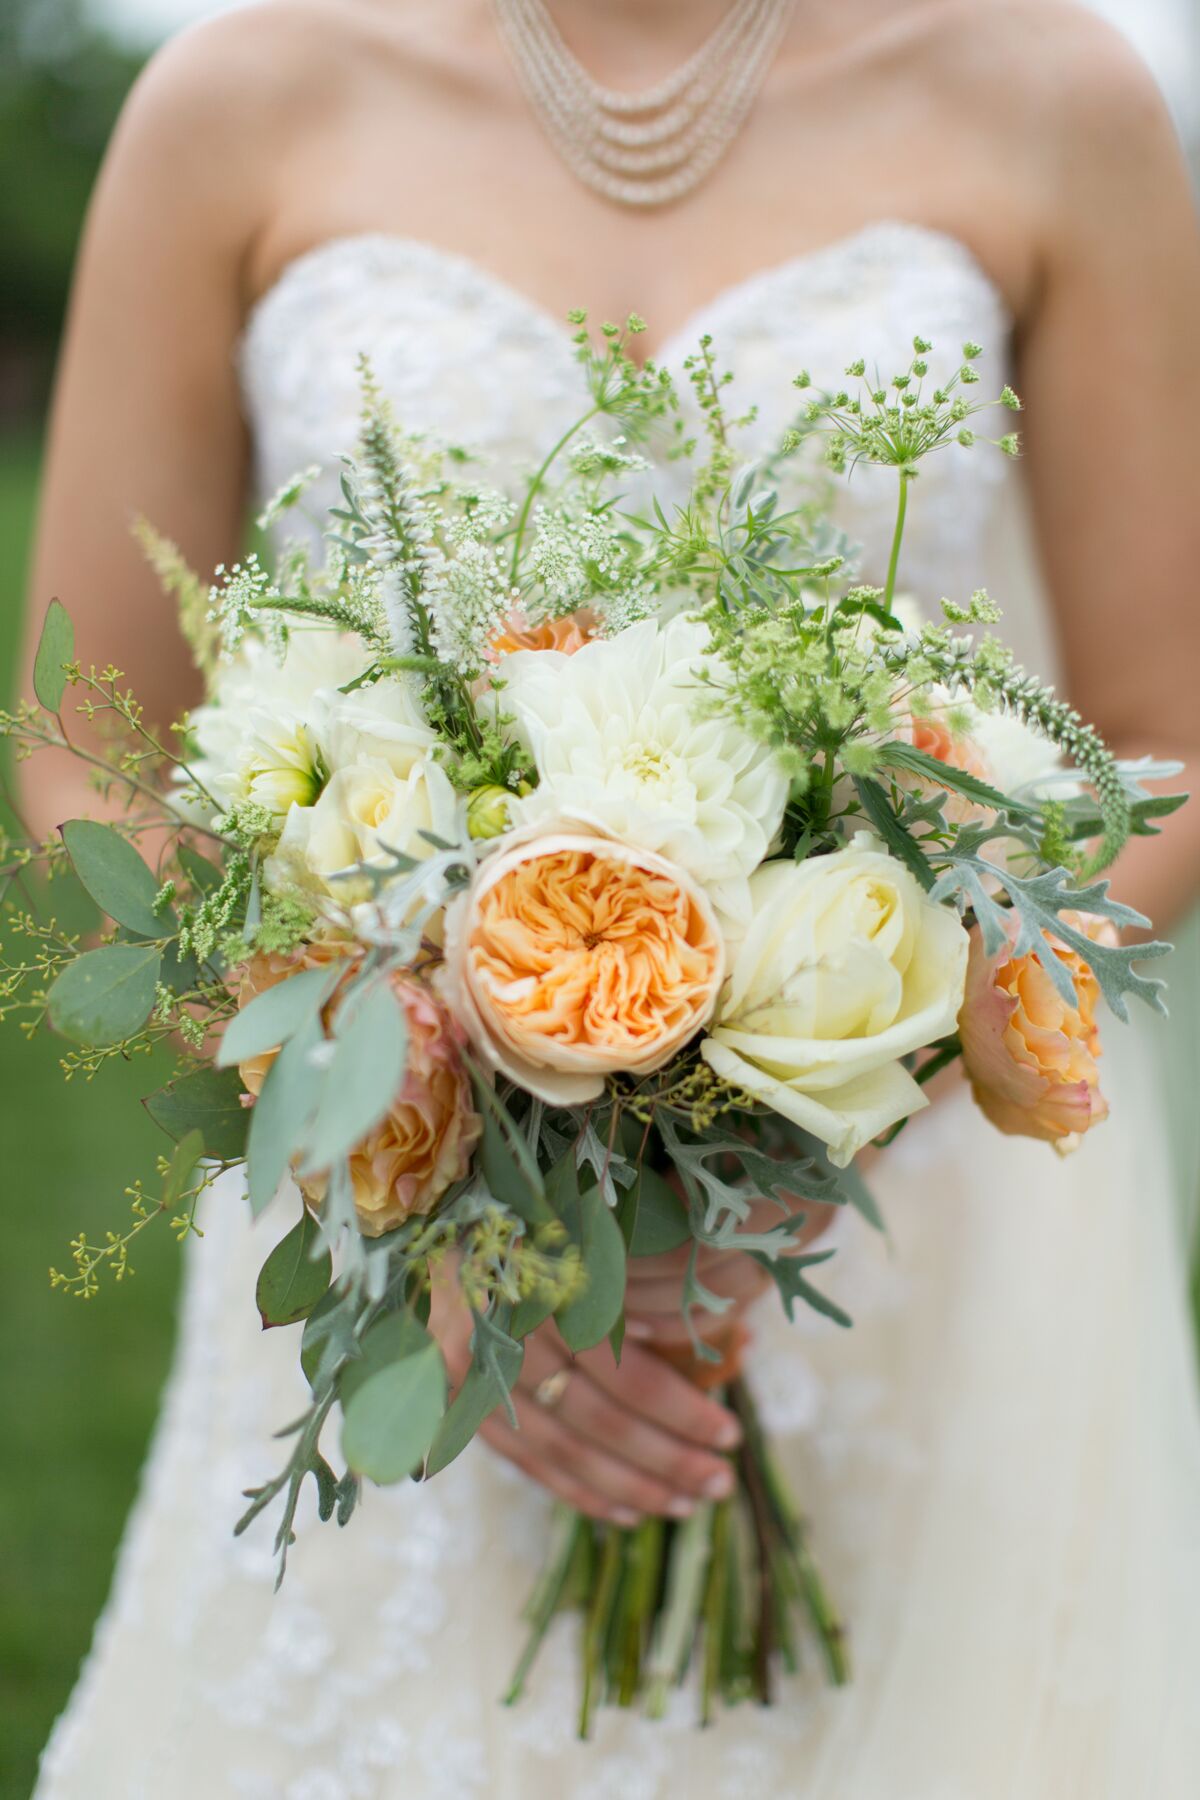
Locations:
column 512, row 1447
column 680, row 1465
column 550, row 1449
column 683, row 1469
column 737, row 1277
column 649, row 1386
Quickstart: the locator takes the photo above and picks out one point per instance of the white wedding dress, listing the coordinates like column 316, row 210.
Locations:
column 1001, row 1460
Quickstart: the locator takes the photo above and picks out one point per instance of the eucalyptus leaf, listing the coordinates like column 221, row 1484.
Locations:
column 361, row 1079
column 652, row 1217
column 389, row 1340
column 179, row 974
column 204, row 875
column 591, row 1314
column 56, row 647
column 392, row 1418
column 295, row 1275
column 113, row 873
column 210, row 1101
column 274, row 1016
column 181, row 1168
column 280, row 1116
column 488, row 1382
column 328, row 1337
column 508, row 1165
column 105, row 995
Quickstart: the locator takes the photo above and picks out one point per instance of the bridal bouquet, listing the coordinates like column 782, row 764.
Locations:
column 553, row 880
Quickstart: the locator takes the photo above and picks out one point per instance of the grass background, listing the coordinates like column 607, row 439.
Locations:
column 80, row 1380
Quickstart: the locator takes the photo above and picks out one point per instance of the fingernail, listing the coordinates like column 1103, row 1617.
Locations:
column 719, row 1486
column 680, row 1507
column 639, row 1330
column 729, row 1436
column 621, row 1515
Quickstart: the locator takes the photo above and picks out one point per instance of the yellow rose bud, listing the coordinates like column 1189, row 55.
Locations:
column 488, row 812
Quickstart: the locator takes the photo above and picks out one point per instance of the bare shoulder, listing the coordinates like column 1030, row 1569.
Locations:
column 220, row 87
column 1052, row 71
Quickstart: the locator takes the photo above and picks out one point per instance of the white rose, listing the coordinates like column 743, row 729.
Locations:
column 366, row 810
column 845, row 968
column 623, row 744
column 262, row 734
column 384, row 723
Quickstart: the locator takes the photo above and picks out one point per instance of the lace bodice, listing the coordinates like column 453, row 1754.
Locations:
column 466, row 357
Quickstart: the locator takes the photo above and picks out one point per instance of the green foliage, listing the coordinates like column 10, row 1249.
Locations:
column 395, row 1401
column 281, row 1114
column 295, row 1276
column 496, row 1361
column 105, row 996
column 508, row 1164
column 276, row 1015
column 208, row 1101
column 1039, row 902
column 361, row 1078
column 787, row 1272
column 54, row 656
column 590, row 1315
column 115, row 876
column 651, row 1215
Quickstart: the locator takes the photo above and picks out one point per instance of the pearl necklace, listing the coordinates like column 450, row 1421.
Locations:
column 650, row 147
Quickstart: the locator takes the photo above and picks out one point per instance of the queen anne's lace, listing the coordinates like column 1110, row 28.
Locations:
column 1000, row 1460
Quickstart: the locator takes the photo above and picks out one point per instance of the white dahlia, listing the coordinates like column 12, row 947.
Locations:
column 623, row 742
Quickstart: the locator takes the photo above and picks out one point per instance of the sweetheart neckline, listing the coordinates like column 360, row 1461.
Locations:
column 724, row 300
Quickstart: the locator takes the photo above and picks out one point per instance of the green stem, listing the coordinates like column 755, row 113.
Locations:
column 643, row 1566
column 544, row 1601
column 680, row 1610
column 595, row 1629
column 811, row 1587
column 535, row 488
column 715, row 1600
column 897, row 539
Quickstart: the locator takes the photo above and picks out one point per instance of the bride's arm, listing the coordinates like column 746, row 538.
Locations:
column 1109, row 367
column 146, row 417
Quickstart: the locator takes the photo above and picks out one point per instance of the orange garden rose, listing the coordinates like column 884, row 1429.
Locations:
column 568, row 634
column 424, row 1143
column 1030, row 1055
column 957, row 751
column 575, row 956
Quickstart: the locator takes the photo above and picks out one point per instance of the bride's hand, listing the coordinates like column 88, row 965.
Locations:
column 616, row 1441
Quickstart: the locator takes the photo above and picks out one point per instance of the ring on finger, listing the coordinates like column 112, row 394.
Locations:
column 550, row 1390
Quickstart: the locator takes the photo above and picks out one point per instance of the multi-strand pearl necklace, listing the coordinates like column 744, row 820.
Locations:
column 650, row 147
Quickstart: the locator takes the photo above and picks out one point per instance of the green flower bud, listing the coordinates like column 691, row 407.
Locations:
column 488, row 812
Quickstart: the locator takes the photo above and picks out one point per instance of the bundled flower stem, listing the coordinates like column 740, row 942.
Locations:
column 721, row 1592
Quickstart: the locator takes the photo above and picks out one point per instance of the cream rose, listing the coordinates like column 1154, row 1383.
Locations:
column 572, row 957
column 845, row 968
column 366, row 810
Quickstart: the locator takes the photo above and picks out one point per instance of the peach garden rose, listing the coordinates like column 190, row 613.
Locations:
column 574, row 956
column 1030, row 1054
column 425, row 1141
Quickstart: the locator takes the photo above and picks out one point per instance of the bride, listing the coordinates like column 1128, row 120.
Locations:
column 1002, row 1459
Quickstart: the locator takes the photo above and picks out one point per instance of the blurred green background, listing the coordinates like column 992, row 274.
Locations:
column 80, row 1380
